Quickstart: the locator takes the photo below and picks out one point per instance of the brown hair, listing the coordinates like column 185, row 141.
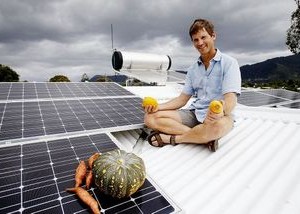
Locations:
column 199, row 24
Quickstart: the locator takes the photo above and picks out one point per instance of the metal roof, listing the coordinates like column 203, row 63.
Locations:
column 255, row 170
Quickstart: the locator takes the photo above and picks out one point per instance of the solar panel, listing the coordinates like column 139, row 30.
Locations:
column 33, row 179
column 254, row 98
column 292, row 105
column 270, row 97
column 52, row 90
column 28, row 119
column 291, row 95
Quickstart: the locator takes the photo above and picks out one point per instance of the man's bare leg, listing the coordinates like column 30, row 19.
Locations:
column 167, row 122
column 203, row 133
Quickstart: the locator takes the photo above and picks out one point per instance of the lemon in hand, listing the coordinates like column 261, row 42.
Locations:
column 216, row 106
column 149, row 101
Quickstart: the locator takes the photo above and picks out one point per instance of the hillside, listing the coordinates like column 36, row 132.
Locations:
column 279, row 68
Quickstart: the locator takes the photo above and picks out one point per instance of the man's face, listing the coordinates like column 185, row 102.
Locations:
column 204, row 42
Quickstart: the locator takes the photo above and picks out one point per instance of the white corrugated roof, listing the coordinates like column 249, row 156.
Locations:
column 255, row 170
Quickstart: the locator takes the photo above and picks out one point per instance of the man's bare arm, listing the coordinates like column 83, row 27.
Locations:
column 230, row 101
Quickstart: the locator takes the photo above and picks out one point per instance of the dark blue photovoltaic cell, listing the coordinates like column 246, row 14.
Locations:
column 34, row 177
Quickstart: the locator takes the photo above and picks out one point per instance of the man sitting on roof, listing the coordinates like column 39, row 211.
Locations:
column 215, row 76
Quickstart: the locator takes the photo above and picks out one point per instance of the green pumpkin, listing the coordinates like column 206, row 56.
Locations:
column 118, row 173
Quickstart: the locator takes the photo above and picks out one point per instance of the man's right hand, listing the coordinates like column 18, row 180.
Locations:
column 212, row 117
column 151, row 108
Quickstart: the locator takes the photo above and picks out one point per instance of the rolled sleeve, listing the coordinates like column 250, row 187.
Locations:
column 232, row 77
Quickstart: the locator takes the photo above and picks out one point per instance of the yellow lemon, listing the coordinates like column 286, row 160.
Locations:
column 149, row 101
column 216, row 106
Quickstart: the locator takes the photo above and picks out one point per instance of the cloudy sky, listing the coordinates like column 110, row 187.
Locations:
column 42, row 38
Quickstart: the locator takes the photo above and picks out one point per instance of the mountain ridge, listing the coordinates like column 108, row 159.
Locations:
column 278, row 68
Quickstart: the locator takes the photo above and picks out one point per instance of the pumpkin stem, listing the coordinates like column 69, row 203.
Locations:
column 120, row 161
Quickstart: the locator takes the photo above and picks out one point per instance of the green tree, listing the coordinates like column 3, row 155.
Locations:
column 84, row 78
column 7, row 74
column 59, row 78
column 103, row 79
column 293, row 33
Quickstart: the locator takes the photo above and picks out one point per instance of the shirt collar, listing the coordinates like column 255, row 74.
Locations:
column 217, row 57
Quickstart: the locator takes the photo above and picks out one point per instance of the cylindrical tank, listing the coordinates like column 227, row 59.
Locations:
column 130, row 60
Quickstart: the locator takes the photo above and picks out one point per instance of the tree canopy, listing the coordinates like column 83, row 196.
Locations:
column 59, row 78
column 7, row 74
column 84, row 78
column 103, row 79
column 293, row 33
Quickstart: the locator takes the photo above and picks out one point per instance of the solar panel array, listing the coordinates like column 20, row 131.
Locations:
column 290, row 95
column 270, row 97
column 41, row 109
column 47, row 128
column 33, row 179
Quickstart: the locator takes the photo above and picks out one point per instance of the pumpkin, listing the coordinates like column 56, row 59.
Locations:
column 118, row 173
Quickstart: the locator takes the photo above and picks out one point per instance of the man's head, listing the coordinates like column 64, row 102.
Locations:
column 199, row 24
column 203, row 37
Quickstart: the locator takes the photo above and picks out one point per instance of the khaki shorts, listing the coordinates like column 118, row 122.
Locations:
column 188, row 117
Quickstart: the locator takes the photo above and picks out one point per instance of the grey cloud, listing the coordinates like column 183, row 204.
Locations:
column 75, row 34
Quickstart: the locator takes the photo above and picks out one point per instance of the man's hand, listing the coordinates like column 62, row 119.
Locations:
column 151, row 108
column 212, row 117
column 150, row 104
